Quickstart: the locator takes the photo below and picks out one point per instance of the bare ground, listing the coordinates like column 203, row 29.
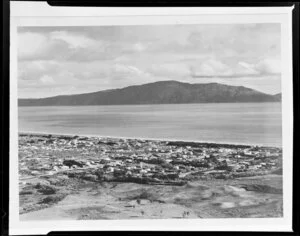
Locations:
column 259, row 196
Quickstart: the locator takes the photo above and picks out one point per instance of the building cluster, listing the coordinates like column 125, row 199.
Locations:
column 142, row 161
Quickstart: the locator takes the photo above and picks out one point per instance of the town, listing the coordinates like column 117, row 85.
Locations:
column 141, row 161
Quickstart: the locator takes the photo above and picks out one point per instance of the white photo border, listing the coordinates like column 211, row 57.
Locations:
column 41, row 14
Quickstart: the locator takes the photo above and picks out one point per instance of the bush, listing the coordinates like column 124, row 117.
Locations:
column 167, row 166
column 100, row 174
column 90, row 177
column 262, row 188
column 172, row 176
column 26, row 192
column 145, row 195
column 119, row 173
column 277, row 172
column 52, row 199
column 45, row 189
column 156, row 161
column 70, row 163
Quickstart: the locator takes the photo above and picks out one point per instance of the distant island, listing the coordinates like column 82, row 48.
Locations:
column 162, row 92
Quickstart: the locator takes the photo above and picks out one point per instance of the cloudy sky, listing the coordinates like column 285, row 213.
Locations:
column 70, row 60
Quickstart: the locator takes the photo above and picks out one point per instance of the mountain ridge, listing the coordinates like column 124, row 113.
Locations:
column 160, row 92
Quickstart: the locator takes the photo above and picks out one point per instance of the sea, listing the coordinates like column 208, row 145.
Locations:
column 232, row 123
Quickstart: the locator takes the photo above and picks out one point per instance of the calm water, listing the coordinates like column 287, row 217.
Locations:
column 251, row 123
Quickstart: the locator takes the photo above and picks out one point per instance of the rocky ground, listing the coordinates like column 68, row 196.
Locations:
column 66, row 177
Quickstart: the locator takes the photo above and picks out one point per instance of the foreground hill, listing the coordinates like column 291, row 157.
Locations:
column 163, row 92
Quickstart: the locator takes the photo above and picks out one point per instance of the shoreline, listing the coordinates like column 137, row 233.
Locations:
column 208, row 142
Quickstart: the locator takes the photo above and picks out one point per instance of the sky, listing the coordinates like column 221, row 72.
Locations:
column 71, row 60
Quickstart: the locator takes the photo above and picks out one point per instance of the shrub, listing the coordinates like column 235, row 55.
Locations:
column 26, row 192
column 52, row 199
column 45, row 189
column 90, row 177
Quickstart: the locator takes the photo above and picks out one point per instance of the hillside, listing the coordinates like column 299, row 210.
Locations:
column 163, row 92
column 277, row 96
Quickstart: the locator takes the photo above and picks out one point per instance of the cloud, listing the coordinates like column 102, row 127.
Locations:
column 109, row 42
column 47, row 80
column 33, row 70
column 79, row 73
column 73, row 40
column 126, row 73
column 139, row 47
column 213, row 68
column 170, row 70
column 248, row 68
column 95, row 58
column 34, row 46
column 30, row 44
column 61, row 45
column 269, row 66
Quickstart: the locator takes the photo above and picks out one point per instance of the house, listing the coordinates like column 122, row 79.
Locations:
column 110, row 169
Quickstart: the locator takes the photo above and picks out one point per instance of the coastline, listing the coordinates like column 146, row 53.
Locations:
column 149, row 139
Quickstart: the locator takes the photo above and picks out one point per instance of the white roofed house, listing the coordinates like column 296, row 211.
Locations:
column 110, row 169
